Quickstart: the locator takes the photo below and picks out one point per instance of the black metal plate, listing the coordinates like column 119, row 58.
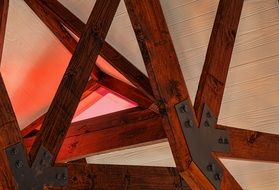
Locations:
column 204, row 140
column 41, row 173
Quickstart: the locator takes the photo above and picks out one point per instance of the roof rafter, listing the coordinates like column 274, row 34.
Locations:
column 65, row 102
column 216, row 67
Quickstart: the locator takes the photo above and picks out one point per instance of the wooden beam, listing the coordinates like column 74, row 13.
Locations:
column 166, row 80
column 218, row 57
column 251, row 145
column 123, row 128
column 35, row 126
column 65, row 102
column 111, row 55
column 116, row 177
column 9, row 129
column 126, row 90
column 215, row 70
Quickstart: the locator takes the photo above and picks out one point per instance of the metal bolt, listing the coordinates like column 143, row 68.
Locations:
column 14, row 151
column 19, row 163
column 188, row 123
column 206, row 124
column 217, row 177
column 209, row 167
column 220, row 140
column 61, row 176
column 183, row 109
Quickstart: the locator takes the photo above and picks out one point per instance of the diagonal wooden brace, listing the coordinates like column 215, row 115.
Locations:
column 203, row 140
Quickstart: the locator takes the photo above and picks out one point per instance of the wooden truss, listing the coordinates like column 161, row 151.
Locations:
column 156, row 116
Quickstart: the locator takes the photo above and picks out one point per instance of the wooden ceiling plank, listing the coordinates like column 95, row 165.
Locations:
column 124, row 128
column 125, row 90
column 9, row 129
column 166, row 80
column 111, row 55
column 215, row 70
column 67, row 97
column 251, row 145
column 115, row 177
column 35, row 126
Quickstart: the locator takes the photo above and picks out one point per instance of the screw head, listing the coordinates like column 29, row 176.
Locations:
column 209, row 167
column 61, row 176
column 14, row 151
column 217, row 177
column 220, row 140
column 19, row 163
column 188, row 124
column 206, row 124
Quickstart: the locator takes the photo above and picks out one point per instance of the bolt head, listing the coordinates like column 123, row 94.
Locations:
column 206, row 124
column 183, row 109
column 188, row 124
column 14, row 151
column 209, row 167
column 61, row 176
column 220, row 140
column 217, row 177
column 19, row 163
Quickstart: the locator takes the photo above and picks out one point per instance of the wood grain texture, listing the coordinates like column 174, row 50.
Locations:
column 65, row 102
column 215, row 70
column 110, row 54
column 166, row 79
column 9, row 129
column 125, row 90
column 216, row 67
column 252, row 145
column 111, row 131
column 116, row 177
column 35, row 126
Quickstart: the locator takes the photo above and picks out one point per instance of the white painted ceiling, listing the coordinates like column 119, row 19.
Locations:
column 34, row 61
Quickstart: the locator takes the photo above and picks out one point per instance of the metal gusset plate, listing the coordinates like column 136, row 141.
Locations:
column 204, row 140
column 40, row 174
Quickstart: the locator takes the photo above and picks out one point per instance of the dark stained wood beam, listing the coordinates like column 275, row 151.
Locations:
column 126, row 90
column 35, row 126
column 251, row 145
column 117, row 177
column 166, row 80
column 65, row 102
column 215, row 70
column 112, row 131
column 9, row 129
column 111, row 55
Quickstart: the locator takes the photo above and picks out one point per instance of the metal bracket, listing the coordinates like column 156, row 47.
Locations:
column 41, row 172
column 204, row 140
